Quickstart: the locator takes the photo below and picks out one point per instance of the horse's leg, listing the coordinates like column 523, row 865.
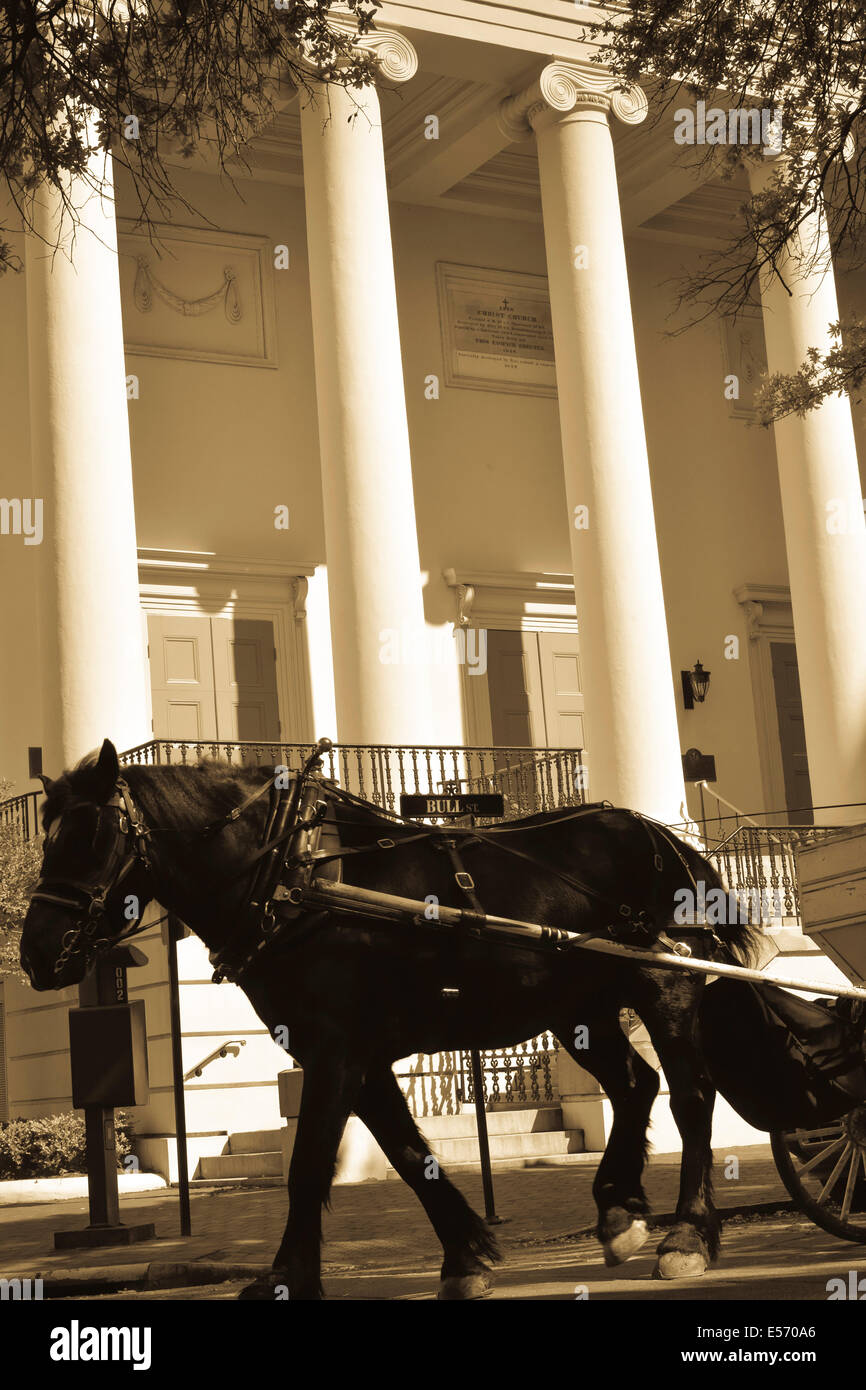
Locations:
column 332, row 1079
column 671, row 1020
column 631, row 1086
column 463, row 1235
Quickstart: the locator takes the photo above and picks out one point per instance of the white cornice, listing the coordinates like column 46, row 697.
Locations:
column 207, row 562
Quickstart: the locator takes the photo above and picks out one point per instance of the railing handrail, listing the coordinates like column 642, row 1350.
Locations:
column 228, row 1045
column 366, row 747
column 717, row 796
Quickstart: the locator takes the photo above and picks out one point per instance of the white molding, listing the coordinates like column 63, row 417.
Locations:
column 259, row 248
column 513, row 601
column 186, row 562
column 194, row 583
column 769, row 618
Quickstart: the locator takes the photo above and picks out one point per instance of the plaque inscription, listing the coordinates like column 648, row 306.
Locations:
column 496, row 330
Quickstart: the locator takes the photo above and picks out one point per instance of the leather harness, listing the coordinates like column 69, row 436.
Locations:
column 301, row 836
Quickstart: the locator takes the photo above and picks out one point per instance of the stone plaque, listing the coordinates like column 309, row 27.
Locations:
column 496, row 330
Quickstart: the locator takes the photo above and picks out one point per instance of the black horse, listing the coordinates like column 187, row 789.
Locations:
column 357, row 995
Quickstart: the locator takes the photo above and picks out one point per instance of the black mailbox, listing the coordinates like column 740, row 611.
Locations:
column 108, row 1054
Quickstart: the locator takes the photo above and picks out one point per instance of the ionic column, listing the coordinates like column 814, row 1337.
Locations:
column 93, row 662
column 825, row 536
column 632, row 736
column 374, row 580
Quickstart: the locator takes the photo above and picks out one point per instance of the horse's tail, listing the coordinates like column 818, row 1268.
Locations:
column 739, row 933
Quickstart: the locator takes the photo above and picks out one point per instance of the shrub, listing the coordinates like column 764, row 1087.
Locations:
column 53, row 1145
column 19, row 869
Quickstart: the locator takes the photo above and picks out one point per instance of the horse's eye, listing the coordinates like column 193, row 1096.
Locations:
column 53, row 829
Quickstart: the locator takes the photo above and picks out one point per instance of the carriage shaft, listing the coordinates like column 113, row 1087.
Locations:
column 366, row 902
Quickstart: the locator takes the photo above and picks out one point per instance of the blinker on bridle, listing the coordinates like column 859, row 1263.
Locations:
column 87, row 898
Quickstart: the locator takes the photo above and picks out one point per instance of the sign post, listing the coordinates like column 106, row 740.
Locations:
column 108, row 1058
column 450, row 804
column 175, row 931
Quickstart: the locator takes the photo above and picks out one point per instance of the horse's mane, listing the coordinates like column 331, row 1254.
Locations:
column 183, row 796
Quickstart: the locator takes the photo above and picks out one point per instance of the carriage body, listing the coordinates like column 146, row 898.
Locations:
column 823, row 1167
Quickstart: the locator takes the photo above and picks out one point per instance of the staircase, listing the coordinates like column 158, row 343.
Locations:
column 518, row 1138
column 254, row 1153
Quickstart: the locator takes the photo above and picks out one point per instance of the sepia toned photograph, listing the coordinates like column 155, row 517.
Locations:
column 432, row 672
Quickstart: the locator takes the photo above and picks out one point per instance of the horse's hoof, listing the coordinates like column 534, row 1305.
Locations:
column 621, row 1247
column 465, row 1286
column 681, row 1264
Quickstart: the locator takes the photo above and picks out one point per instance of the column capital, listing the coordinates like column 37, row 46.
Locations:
column 396, row 56
column 565, row 87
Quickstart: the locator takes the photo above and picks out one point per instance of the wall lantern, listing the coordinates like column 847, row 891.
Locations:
column 696, row 683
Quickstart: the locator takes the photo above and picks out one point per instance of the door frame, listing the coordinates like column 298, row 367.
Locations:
column 769, row 618
column 205, row 585
column 512, row 601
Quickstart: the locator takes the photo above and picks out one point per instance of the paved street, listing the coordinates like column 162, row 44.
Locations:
column 369, row 1224
column 378, row 1244
column 786, row 1259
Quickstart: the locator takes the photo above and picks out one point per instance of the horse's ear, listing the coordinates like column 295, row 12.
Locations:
column 107, row 770
column 47, row 782
column 97, row 780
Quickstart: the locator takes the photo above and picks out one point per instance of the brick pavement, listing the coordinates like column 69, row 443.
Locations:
column 370, row 1226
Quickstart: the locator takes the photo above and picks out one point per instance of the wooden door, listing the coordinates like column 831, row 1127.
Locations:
column 792, row 732
column 561, row 689
column 213, row 679
column 514, row 686
column 181, row 677
column 245, row 680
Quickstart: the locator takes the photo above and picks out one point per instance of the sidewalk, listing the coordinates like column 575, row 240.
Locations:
column 371, row 1225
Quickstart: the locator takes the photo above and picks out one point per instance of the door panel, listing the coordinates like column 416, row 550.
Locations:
column 792, row 732
column 245, row 678
column 181, row 673
column 513, row 683
column 562, row 695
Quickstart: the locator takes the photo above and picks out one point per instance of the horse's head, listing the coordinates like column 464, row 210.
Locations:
column 94, row 883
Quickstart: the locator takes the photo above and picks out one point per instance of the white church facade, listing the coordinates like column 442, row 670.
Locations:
column 389, row 439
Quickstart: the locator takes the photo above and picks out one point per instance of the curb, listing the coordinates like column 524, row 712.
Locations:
column 156, row 1274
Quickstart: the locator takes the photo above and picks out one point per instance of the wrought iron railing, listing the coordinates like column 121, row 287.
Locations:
column 20, row 813
column 523, row 1076
column 530, row 779
column 759, row 865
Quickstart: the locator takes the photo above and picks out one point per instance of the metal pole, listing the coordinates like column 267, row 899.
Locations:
column 483, row 1138
column 173, row 931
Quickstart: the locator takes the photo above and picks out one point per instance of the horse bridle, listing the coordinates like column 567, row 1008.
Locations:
column 87, row 897
column 129, row 846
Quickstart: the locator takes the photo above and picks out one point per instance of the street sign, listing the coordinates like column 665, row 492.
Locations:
column 426, row 805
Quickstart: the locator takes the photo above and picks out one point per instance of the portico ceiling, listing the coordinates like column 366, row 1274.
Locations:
column 473, row 166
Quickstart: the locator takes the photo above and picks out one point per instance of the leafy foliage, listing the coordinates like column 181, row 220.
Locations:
column 19, row 868
column 807, row 61
column 196, row 75
column 53, row 1146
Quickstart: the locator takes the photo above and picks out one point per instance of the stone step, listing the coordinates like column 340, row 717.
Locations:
column 502, row 1165
column 544, row 1144
column 243, row 1165
column 514, row 1120
column 254, row 1141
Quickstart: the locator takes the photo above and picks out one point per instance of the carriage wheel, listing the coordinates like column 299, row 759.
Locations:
column 824, row 1170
